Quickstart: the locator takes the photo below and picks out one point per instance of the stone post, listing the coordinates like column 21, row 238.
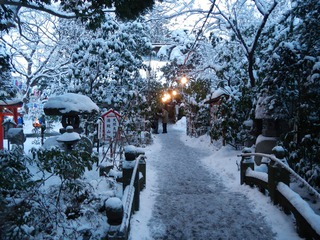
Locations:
column 276, row 173
column 142, row 169
column 114, row 210
column 127, row 171
column 246, row 162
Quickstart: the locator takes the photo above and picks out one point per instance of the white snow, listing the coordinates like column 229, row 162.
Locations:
column 262, row 138
column 302, row 206
column 69, row 136
column 223, row 161
column 71, row 102
column 219, row 92
column 114, row 203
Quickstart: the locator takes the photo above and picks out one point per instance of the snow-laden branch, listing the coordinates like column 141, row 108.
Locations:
column 249, row 49
column 260, row 6
column 263, row 23
column 178, row 14
column 44, row 63
column 215, row 68
column 39, row 7
column 235, row 29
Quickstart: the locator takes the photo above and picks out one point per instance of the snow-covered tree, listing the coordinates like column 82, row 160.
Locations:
column 89, row 12
column 109, row 63
column 34, row 48
column 15, row 181
column 7, row 89
column 291, row 82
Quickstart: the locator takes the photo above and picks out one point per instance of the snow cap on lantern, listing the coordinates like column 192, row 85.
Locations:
column 69, row 137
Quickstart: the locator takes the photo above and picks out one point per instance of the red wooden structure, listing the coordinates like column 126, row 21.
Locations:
column 8, row 107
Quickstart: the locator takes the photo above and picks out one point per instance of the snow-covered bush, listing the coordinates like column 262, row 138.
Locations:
column 15, row 181
column 232, row 113
column 30, row 211
column 14, row 174
column 67, row 165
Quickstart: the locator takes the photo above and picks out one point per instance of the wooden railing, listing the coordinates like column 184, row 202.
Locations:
column 134, row 180
column 277, row 182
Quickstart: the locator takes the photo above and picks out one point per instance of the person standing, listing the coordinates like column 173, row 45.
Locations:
column 42, row 121
column 165, row 119
column 20, row 121
column 155, row 122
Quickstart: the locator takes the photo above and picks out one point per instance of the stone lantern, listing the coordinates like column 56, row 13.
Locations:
column 70, row 106
column 268, row 127
column 69, row 138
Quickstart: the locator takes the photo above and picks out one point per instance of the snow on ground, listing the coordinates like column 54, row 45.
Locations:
column 223, row 161
column 102, row 188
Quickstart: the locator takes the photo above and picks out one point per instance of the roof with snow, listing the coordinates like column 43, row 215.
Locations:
column 70, row 104
column 216, row 95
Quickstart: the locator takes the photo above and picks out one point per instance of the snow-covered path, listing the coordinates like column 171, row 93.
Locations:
column 191, row 202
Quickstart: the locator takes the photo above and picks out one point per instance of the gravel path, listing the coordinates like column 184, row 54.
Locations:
column 193, row 203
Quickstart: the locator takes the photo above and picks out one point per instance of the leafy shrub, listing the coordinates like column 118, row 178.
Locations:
column 65, row 164
column 14, row 174
column 26, row 210
column 15, row 182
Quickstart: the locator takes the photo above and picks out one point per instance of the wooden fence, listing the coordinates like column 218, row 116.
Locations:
column 134, row 180
column 277, row 182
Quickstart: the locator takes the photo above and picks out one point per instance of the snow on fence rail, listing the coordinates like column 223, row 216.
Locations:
column 277, row 181
column 286, row 167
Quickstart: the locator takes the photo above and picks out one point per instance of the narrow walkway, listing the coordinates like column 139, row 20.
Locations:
column 194, row 204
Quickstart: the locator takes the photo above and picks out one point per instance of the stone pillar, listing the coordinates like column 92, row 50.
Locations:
column 142, row 169
column 127, row 171
column 246, row 162
column 277, row 173
column 114, row 210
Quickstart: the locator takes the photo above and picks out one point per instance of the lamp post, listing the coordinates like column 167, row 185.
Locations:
column 183, row 82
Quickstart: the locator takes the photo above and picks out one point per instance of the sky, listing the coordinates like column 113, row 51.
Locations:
column 224, row 165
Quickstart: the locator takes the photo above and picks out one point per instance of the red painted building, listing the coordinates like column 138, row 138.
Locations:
column 8, row 107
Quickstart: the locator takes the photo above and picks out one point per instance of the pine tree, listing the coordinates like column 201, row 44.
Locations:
column 7, row 89
column 291, row 83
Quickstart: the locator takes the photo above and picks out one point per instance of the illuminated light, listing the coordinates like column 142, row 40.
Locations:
column 174, row 92
column 184, row 80
column 166, row 97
